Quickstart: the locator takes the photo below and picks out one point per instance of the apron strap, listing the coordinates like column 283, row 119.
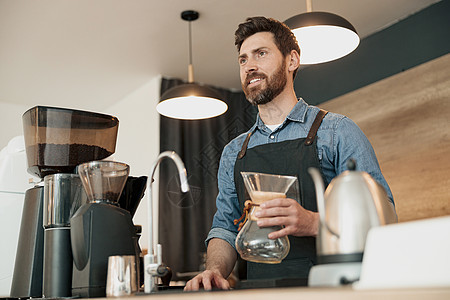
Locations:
column 308, row 141
column 244, row 146
column 315, row 126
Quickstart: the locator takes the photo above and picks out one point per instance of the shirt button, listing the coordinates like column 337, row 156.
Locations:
column 272, row 137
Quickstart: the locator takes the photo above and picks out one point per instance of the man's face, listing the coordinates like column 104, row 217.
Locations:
column 262, row 68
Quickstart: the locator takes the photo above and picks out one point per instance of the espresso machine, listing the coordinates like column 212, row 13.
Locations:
column 56, row 140
column 100, row 228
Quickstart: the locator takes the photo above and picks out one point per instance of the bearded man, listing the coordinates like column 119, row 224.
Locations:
column 289, row 137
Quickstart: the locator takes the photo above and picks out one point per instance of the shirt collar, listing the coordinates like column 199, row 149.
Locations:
column 297, row 114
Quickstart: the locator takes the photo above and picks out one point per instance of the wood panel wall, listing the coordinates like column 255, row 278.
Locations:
column 407, row 119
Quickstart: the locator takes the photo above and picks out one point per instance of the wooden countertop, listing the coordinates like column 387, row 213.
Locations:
column 304, row 293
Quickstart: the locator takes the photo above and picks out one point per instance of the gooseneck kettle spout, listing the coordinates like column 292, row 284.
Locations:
column 153, row 259
column 320, row 191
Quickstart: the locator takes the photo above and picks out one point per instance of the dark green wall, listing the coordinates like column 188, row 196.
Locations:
column 417, row 39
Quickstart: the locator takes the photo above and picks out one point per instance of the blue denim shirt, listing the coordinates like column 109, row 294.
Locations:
column 338, row 139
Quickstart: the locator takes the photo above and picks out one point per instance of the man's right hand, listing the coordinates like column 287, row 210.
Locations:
column 207, row 279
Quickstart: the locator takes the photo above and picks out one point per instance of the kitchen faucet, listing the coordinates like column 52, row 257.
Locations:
column 153, row 267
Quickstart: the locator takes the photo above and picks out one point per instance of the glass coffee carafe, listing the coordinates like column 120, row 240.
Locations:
column 252, row 242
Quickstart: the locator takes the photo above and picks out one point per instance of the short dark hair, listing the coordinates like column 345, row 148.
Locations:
column 283, row 36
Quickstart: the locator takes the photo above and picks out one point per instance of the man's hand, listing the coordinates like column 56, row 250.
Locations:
column 208, row 279
column 220, row 260
column 289, row 213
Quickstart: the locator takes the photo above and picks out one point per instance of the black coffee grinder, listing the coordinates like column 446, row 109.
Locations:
column 56, row 140
column 100, row 228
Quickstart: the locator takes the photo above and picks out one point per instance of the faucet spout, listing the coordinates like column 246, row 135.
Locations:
column 180, row 166
column 153, row 259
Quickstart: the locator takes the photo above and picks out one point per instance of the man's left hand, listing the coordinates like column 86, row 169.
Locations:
column 289, row 213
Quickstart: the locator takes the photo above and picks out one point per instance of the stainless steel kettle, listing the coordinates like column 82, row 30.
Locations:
column 352, row 204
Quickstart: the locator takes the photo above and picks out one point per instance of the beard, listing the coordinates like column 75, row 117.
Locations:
column 275, row 85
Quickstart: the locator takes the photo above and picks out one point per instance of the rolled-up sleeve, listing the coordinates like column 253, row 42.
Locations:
column 223, row 234
column 227, row 202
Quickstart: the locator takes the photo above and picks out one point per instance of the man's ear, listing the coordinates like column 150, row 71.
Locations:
column 294, row 61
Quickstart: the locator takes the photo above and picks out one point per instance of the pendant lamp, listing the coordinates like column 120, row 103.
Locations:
column 322, row 36
column 191, row 101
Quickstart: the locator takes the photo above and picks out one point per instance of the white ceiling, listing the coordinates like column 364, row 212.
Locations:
column 96, row 52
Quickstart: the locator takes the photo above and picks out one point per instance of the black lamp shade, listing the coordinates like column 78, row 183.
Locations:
column 323, row 36
column 318, row 18
column 189, row 89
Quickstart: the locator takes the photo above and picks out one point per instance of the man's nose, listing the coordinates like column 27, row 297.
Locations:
column 251, row 66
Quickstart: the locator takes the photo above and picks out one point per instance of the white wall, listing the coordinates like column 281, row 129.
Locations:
column 11, row 121
column 138, row 139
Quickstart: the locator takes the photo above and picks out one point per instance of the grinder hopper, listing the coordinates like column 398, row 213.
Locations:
column 103, row 180
column 59, row 139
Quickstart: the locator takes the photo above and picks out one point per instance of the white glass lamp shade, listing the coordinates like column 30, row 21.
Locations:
column 191, row 101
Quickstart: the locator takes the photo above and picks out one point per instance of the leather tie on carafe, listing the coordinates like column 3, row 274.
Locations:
column 247, row 206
